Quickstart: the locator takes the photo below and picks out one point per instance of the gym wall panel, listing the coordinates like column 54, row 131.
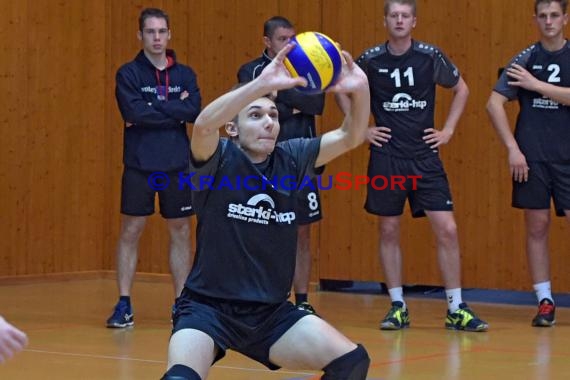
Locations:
column 52, row 161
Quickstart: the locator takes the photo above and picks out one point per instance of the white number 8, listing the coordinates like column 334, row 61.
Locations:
column 313, row 202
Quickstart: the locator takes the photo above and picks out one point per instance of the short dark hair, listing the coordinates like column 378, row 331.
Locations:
column 411, row 3
column 563, row 4
column 152, row 12
column 271, row 25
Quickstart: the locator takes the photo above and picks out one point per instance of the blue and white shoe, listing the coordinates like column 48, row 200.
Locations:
column 122, row 316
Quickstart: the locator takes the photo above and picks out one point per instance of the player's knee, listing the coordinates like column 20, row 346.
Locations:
column 350, row 366
column 181, row 372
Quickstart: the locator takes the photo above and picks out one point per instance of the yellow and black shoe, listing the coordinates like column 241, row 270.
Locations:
column 397, row 317
column 465, row 319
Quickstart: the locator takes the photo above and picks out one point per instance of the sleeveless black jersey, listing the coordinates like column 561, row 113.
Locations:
column 543, row 125
column 247, row 229
column 402, row 91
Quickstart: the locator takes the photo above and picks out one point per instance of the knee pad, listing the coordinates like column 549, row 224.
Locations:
column 180, row 372
column 350, row 366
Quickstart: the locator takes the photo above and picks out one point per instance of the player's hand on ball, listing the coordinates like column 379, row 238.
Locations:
column 351, row 78
column 276, row 76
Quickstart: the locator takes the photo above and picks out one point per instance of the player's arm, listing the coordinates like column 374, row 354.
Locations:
column 353, row 85
column 134, row 108
column 434, row 138
column 376, row 135
column 520, row 77
column 187, row 107
column 517, row 161
column 205, row 134
column 460, row 95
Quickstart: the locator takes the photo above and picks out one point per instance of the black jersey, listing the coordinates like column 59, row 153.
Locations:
column 247, row 232
column 402, row 91
column 543, row 125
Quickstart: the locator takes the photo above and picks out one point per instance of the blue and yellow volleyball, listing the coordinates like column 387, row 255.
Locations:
column 315, row 57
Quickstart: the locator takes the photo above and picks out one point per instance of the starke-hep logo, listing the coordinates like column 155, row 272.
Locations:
column 403, row 102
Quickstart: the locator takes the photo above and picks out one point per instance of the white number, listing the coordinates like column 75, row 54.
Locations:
column 409, row 73
column 396, row 75
column 313, row 203
column 554, row 77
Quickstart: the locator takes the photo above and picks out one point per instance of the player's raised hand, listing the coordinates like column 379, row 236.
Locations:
column 351, row 78
column 276, row 76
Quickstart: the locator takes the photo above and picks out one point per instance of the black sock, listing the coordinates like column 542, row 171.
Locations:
column 300, row 298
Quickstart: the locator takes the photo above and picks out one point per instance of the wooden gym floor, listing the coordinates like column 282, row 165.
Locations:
column 65, row 324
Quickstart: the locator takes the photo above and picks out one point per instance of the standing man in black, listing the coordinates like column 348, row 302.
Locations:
column 539, row 149
column 403, row 74
column 297, row 113
column 157, row 97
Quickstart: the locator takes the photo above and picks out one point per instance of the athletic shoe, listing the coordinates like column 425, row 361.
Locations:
column 545, row 315
column 397, row 318
column 122, row 316
column 306, row 307
column 465, row 319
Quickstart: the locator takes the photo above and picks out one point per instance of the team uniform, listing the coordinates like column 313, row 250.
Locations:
column 542, row 130
column 243, row 271
column 157, row 141
column 293, row 125
column 402, row 90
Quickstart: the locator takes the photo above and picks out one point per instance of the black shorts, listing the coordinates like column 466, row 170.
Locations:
column 393, row 180
column 138, row 190
column 546, row 181
column 308, row 208
column 250, row 328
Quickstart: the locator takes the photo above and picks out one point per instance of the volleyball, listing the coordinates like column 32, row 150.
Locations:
column 315, row 57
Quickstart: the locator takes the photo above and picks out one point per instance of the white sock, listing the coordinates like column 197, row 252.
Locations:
column 397, row 295
column 542, row 290
column 453, row 297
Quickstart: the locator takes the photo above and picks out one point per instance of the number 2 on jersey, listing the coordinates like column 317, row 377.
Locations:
column 554, row 77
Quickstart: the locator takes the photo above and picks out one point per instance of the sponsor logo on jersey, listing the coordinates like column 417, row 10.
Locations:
column 403, row 102
column 158, row 89
column 259, row 209
column 545, row 103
